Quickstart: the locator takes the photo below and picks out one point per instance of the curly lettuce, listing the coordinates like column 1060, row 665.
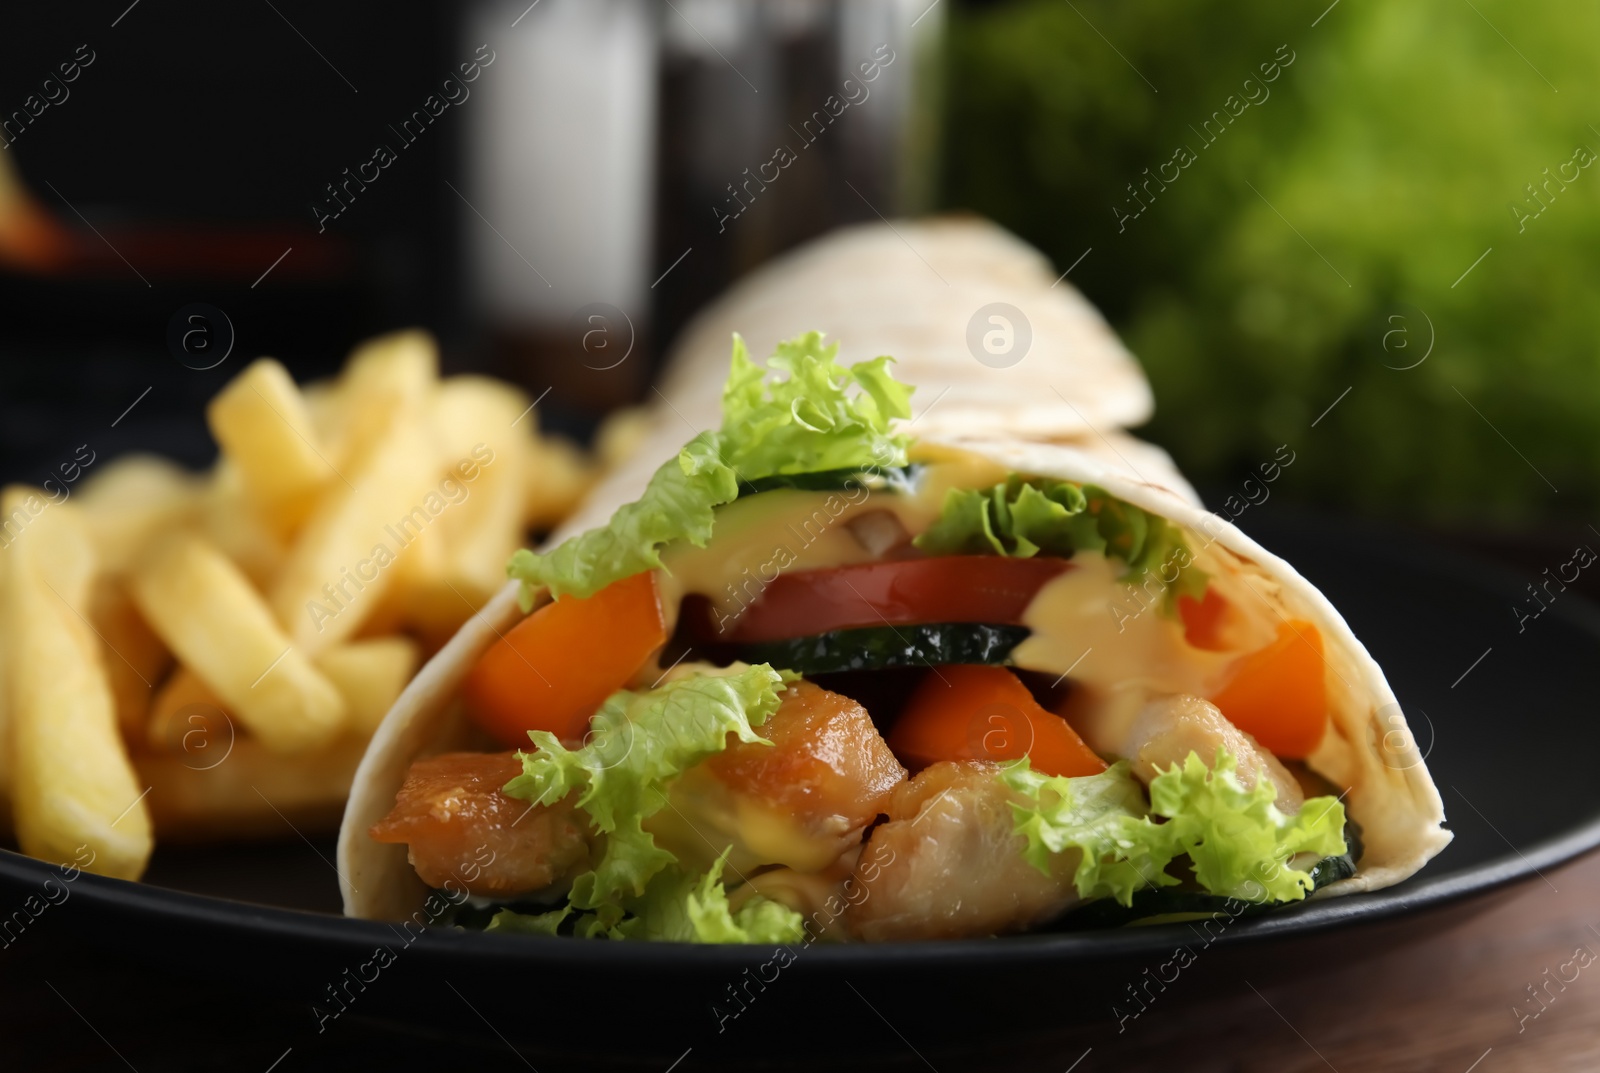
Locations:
column 515, row 923
column 1238, row 842
column 758, row 920
column 809, row 422
column 638, row 742
column 1024, row 517
column 1103, row 817
column 677, row 907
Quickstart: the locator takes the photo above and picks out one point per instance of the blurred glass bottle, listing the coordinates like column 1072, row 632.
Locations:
column 633, row 157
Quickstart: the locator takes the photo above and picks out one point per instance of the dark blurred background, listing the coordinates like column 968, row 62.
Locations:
column 1380, row 218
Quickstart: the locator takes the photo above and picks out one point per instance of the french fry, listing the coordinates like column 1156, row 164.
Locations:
column 325, row 403
column 134, row 657
column 387, row 378
column 265, row 429
column 558, row 476
column 475, row 420
column 61, row 561
column 237, row 788
column 184, row 715
column 230, row 521
column 73, row 788
column 131, row 499
column 370, row 675
column 336, row 574
column 203, row 607
column 483, row 454
column 471, row 409
column 621, row 434
column 417, row 595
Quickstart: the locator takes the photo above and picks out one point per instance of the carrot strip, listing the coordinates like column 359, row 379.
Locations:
column 555, row 667
column 986, row 713
column 1279, row 693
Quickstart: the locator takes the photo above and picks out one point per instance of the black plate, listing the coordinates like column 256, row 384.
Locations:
column 1486, row 703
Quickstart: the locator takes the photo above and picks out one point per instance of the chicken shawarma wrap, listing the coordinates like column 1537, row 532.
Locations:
column 823, row 678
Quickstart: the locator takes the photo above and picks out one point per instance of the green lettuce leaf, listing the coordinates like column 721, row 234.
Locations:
column 676, row 505
column 1239, row 843
column 1103, row 817
column 676, row 907
column 809, row 422
column 638, row 742
column 508, row 920
column 699, row 911
column 758, row 920
column 1024, row 517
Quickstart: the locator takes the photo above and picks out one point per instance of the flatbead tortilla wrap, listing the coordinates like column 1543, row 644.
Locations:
column 1048, row 367
column 1366, row 752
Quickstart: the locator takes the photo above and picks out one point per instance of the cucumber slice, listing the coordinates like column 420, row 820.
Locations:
column 895, row 479
column 873, row 648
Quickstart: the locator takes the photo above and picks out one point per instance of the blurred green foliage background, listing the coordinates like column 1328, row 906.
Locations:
column 1308, row 248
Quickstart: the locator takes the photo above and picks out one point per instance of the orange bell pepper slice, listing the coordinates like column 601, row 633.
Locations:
column 969, row 712
column 554, row 668
column 1279, row 693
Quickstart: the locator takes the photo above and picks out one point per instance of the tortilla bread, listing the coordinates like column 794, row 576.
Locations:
column 912, row 289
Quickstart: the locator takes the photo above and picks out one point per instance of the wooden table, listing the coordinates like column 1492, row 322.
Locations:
column 1455, row 1002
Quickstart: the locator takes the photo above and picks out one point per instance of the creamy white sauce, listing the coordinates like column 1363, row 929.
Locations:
column 1121, row 648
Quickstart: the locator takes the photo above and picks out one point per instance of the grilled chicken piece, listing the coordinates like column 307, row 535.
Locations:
column 827, row 760
column 1167, row 730
column 947, row 864
column 459, row 825
column 799, row 802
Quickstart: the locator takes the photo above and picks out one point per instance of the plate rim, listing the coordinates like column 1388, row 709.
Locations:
column 1315, row 917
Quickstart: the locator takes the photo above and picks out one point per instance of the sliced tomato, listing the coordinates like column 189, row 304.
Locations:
column 552, row 670
column 1204, row 619
column 969, row 712
column 994, row 589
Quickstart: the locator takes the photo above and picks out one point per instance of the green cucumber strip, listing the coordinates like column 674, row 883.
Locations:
column 874, row 648
column 896, row 479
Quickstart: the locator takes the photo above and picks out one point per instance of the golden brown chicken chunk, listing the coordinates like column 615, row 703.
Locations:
column 799, row 802
column 459, row 825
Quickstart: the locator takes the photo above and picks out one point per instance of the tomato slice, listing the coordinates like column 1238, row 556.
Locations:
column 994, row 589
column 1204, row 619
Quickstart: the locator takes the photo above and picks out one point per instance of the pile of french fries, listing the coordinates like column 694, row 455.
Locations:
column 206, row 656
